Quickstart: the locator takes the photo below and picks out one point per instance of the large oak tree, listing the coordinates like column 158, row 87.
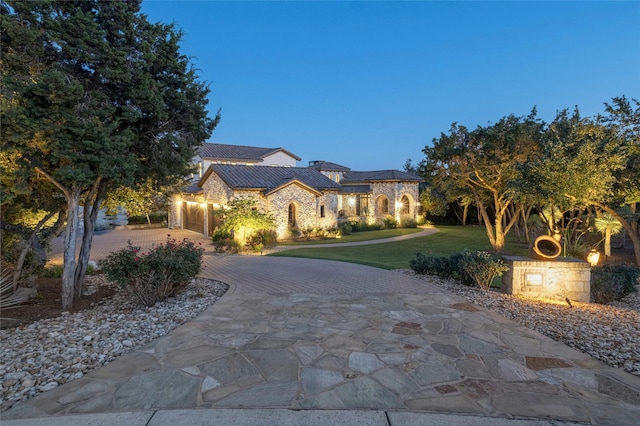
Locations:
column 95, row 96
column 485, row 162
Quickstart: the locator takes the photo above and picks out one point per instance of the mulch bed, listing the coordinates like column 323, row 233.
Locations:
column 47, row 302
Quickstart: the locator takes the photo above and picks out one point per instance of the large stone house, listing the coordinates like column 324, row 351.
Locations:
column 318, row 196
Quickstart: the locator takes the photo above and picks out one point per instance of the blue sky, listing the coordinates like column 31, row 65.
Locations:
column 368, row 84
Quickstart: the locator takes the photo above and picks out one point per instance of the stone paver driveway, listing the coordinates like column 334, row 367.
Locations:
column 311, row 334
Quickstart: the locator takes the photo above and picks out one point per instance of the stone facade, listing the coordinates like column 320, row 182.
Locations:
column 312, row 209
column 394, row 192
column 397, row 199
column 305, row 206
column 303, row 198
column 554, row 279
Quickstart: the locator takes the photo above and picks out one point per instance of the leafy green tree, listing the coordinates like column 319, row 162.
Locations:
column 140, row 200
column 433, row 202
column 623, row 117
column 588, row 162
column 486, row 162
column 95, row 96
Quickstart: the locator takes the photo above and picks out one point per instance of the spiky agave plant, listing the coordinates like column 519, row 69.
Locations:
column 9, row 296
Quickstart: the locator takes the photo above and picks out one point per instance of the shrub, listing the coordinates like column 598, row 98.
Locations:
column 54, row 271
column 223, row 241
column 331, row 233
column 263, row 239
column 162, row 272
column 153, row 218
column 482, row 267
column 613, row 282
column 442, row 266
column 467, row 267
column 294, row 233
column 390, row 222
column 308, row 233
column 344, row 228
column 426, row 264
column 408, row 222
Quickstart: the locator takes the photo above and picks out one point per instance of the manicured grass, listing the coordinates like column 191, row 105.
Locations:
column 449, row 239
column 357, row 236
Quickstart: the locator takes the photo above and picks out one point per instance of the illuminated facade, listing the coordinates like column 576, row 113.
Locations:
column 319, row 196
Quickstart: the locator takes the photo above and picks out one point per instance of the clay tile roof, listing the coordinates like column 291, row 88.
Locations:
column 269, row 178
column 378, row 175
column 238, row 152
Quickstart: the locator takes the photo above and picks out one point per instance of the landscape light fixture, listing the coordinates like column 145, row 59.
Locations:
column 593, row 257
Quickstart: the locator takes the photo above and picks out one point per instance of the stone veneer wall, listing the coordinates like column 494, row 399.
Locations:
column 394, row 191
column 307, row 209
column 307, row 204
column 216, row 191
column 175, row 212
column 556, row 279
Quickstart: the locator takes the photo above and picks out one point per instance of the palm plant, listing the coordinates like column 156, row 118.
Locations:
column 607, row 225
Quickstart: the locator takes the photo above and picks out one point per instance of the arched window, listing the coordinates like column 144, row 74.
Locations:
column 292, row 215
column 405, row 205
column 383, row 205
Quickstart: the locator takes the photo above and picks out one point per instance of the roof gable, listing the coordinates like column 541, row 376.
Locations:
column 268, row 178
column 327, row 166
column 297, row 183
column 239, row 153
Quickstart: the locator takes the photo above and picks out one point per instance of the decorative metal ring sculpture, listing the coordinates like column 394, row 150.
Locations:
column 545, row 247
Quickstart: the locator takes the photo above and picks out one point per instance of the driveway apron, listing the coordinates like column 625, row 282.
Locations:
column 312, row 334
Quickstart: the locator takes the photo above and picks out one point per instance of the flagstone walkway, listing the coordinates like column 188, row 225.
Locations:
column 307, row 334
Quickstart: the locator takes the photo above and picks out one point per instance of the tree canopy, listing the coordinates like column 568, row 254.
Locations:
column 95, row 96
column 485, row 161
column 520, row 163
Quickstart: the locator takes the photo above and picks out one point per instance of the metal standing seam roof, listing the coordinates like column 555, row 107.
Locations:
column 355, row 189
column 327, row 166
column 378, row 175
column 268, row 178
column 239, row 152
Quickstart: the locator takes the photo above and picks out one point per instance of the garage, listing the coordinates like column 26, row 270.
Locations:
column 193, row 217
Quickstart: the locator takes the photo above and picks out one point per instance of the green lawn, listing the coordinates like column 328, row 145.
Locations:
column 449, row 239
column 357, row 236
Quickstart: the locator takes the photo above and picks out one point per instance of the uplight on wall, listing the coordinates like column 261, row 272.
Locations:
column 399, row 204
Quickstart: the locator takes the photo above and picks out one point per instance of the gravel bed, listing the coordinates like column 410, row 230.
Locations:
column 41, row 356
column 610, row 333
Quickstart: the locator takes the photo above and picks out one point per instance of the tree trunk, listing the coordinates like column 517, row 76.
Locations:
column 607, row 242
column 465, row 212
column 91, row 210
column 69, row 256
column 482, row 213
column 526, row 213
column 498, row 245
